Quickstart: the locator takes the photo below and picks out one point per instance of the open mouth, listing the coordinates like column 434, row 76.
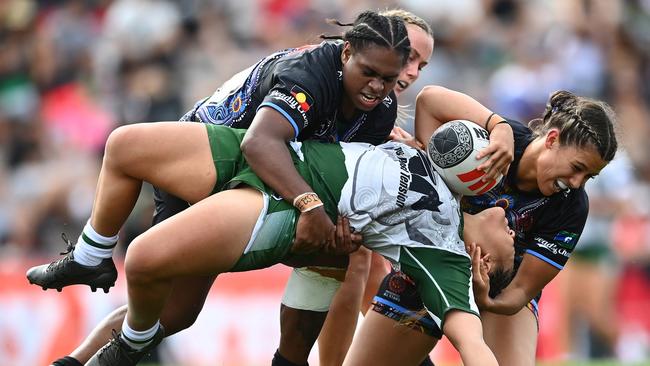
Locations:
column 369, row 99
column 402, row 84
column 560, row 185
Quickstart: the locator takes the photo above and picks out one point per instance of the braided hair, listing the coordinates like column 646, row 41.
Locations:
column 581, row 121
column 373, row 29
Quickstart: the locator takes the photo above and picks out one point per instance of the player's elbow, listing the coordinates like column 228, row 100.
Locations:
column 251, row 145
column 429, row 93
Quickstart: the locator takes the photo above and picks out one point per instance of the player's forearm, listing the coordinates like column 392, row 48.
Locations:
column 479, row 356
column 436, row 105
column 532, row 276
column 508, row 302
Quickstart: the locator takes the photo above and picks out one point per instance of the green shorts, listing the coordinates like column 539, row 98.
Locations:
column 324, row 171
column 275, row 228
column 272, row 237
column 443, row 280
column 228, row 159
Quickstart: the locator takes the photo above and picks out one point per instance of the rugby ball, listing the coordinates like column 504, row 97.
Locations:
column 453, row 149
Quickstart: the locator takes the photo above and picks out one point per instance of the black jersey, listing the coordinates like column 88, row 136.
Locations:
column 546, row 227
column 304, row 85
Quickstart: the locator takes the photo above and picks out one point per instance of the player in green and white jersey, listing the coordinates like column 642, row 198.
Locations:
column 389, row 193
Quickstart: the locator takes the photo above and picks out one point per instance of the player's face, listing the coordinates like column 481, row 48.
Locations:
column 566, row 167
column 421, row 50
column 369, row 75
column 496, row 238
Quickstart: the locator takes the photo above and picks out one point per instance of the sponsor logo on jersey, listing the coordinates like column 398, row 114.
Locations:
column 552, row 247
column 292, row 103
column 305, row 101
column 388, row 101
column 404, row 177
column 566, row 240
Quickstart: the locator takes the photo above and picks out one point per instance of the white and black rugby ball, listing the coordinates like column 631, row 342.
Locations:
column 453, row 149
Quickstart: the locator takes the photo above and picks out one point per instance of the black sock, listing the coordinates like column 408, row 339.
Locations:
column 427, row 362
column 279, row 360
column 67, row 361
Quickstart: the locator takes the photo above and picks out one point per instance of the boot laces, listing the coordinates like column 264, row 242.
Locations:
column 114, row 343
column 68, row 254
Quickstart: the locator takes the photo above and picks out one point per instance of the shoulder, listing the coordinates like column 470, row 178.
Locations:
column 521, row 132
column 569, row 206
column 579, row 200
column 522, row 136
column 388, row 107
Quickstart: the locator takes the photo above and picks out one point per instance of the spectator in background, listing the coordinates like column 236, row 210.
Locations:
column 590, row 279
column 473, row 41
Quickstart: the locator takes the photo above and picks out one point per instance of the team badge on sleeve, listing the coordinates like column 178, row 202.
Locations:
column 566, row 240
column 305, row 101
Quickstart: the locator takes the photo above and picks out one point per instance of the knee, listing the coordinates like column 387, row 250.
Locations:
column 141, row 265
column 120, row 144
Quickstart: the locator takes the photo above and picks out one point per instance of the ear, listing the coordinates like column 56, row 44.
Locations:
column 346, row 54
column 487, row 264
column 552, row 137
column 486, row 257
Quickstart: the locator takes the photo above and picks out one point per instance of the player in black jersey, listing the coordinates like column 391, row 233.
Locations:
column 545, row 202
column 305, row 313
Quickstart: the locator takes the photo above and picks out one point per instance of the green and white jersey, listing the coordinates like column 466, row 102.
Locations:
column 393, row 197
column 390, row 193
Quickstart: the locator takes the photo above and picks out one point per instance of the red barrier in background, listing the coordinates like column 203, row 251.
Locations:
column 239, row 324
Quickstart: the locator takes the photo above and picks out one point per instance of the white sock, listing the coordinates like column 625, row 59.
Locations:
column 138, row 339
column 92, row 247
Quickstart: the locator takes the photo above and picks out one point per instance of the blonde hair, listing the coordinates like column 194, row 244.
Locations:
column 581, row 121
column 409, row 18
column 404, row 111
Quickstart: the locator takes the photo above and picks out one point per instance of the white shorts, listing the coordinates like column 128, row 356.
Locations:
column 309, row 290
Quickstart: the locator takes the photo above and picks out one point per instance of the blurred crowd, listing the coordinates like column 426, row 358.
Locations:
column 73, row 70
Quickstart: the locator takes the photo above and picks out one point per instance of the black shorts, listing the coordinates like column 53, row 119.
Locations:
column 398, row 299
column 166, row 205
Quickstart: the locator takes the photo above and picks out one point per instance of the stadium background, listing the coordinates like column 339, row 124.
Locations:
column 73, row 70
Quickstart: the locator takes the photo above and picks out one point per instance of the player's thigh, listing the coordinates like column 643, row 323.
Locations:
column 205, row 239
column 165, row 154
column 382, row 341
column 378, row 271
column 512, row 338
